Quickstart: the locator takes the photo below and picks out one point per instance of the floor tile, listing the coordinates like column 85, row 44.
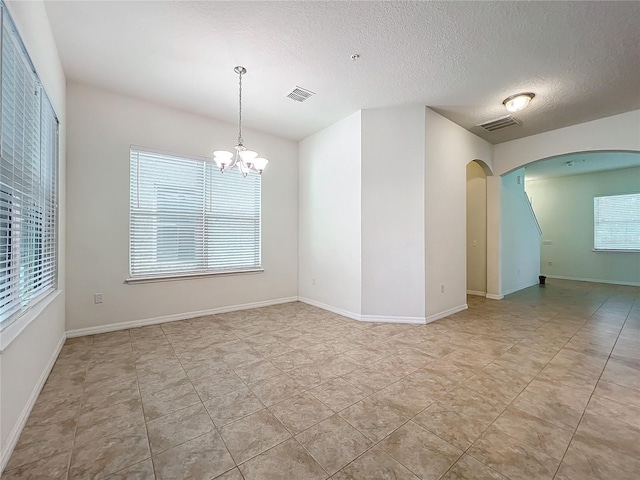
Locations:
column 233, row 406
column 333, row 443
column 253, row 434
column 534, row 432
column 139, row 471
column 374, row 418
column 276, row 389
column 202, row 458
column 468, row 468
column 54, row 467
column 287, row 460
column 337, row 394
column 106, row 421
column 374, row 465
column 107, row 455
column 178, row 427
column 512, row 458
column 424, row 453
column 300, row 412
column 163, row 402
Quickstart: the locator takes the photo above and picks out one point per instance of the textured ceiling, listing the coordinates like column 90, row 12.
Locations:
column 579, row 163
column 460, row 58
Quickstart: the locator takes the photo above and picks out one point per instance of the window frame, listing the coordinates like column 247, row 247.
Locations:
column 30, row 298
column 207, row 163
column 595, row 225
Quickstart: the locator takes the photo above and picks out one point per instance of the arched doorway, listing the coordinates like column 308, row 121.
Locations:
column 476, row 218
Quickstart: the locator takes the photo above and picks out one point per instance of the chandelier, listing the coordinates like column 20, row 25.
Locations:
column 246, row 160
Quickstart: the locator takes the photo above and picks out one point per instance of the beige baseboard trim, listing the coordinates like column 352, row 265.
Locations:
column 388, row 319
column 112, row 327
column 446, row 313
column 493, row 296
column 476, row 292
column 324, row 306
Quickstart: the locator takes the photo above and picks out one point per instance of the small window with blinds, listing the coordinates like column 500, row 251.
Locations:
column 187, row 218
column 616, row 223
column 28, row 180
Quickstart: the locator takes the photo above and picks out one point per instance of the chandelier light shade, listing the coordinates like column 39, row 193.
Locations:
column 245, row 160
column 518, row 101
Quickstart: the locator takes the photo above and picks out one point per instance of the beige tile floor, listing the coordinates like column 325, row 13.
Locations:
column 544, row 384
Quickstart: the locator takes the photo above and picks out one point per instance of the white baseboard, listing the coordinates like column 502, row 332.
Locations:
column 324, row 306
column 595, row 280
column 387, row 319
column 518, row 288
column 363, row 318
column 12, row 440
column 446, row 313
column 493, row 296
column 112, row 327
column 476, row 292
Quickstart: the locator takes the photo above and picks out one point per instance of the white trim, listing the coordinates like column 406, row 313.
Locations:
column 188, row 276
column 12, row 440
column 387, row 319
column 595, row 280
column 112, row 327
column 363, row 318
column 493, row 296
column 446, row 313
column 476, row 292
column 324, row 306
column 517, row 289
column 14, row 329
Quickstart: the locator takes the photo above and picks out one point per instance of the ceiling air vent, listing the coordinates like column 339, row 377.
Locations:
column 300, row 94
column 499, row 123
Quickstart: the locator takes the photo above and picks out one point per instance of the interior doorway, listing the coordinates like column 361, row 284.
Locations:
column 476, row 228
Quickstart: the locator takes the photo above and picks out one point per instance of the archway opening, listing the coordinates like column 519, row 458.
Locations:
column 476, row 218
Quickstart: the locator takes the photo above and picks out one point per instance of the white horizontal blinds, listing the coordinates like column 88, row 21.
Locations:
column 617, row 222
column 233, row 220
column 28, row 148
column 181, row 222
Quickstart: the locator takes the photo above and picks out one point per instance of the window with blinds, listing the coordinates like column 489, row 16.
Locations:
column 616, row 222
column 28, row 171
column 187, row 218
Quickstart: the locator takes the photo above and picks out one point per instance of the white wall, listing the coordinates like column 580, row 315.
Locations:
column 619, row 132
column 448, row 149
column 564, row 207
column 330, row 220
column 393, row 213
column 102, row 126
column 25, row 363
column 476, row 229
column 520, row 264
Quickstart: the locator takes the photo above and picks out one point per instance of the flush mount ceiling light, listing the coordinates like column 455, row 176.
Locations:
column 518, row 101
column 246, row 160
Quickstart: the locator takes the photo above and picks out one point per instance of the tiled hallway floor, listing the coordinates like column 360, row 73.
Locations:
column 544, row 384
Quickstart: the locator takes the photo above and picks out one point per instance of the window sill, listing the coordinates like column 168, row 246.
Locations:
column 12, row 331
column 188, row 276
column 602, row 250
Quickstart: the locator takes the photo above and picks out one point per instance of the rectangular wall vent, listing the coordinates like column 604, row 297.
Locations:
column 300, row 94
column 499, row 123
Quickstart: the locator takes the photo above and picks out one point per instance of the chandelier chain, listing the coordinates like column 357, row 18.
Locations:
column 240, row 112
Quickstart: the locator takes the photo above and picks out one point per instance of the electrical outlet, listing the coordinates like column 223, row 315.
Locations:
column 550, row 264
column 313, row 281
column 97, row 298
column 442, row 288
column 474, row 243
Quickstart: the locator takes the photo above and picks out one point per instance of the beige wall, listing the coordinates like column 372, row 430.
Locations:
column 564, row 207
column 476, row 229
column 102, row 126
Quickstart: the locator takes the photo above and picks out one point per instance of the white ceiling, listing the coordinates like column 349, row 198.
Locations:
column 581, row 59
column 579, row 163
